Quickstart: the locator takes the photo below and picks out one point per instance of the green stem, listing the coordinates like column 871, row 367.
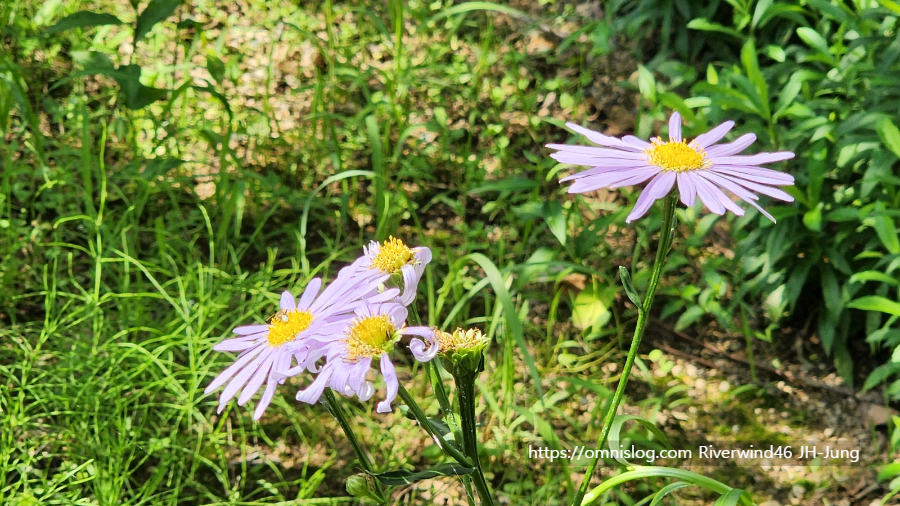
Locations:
column 665, row 242
column 334, row 407
column 465, row 390
column 422, row 418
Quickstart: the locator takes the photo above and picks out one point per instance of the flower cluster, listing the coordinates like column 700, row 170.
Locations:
column 355, row 320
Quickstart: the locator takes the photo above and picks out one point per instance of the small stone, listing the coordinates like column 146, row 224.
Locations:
column 724, row 386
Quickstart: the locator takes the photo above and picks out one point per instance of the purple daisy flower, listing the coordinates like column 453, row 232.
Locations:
column 371, row 336
column 268, row 351
column 700, row 167
column 393, row 257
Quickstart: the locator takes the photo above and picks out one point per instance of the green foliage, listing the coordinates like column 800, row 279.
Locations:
column 817, row 80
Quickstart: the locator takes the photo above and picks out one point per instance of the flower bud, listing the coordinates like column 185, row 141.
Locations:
column 461, row 351
column 363, row 487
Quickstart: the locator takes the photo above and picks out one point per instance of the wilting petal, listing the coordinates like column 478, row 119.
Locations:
column 391, row 382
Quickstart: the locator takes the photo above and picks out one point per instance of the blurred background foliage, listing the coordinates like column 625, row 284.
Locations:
column 169, row 167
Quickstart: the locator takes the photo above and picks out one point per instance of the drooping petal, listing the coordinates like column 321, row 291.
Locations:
column 256, row 381
column 312, row 393
column 239, row 364
column 736, row 189
column 675, row 127
column 709, row 138
column 658, row 187
column 724, row 199
column 391, row 382
column 589, row 155
column 240, row 379
column 757, row 174
column 708, row 197
column 686, row 188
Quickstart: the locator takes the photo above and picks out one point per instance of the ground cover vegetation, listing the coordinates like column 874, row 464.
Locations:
column 170, row 168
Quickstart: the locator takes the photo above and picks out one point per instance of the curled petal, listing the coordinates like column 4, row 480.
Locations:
column 422, row 351
column 391, row 382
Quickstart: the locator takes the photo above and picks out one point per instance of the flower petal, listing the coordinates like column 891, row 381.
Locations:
column 391, row 382
column 602, row 140
column 741, row 192
column 658, row 187
column 256, row 381
column 312, row 393
column 239, row 364
column 732, row 148
column 709, row 138
column 287, row 302
column 752, row 159
column 237, row 344
column 708, row 197
column 757, row 174
column 312, row 289
column 675, row 127
column 247, row 330
column 686, row 188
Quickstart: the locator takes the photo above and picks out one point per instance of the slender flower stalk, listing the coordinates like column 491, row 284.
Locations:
column 465, row 390
column 422, row 418
column 332, row 404
column 462, row 352
column 664, row 244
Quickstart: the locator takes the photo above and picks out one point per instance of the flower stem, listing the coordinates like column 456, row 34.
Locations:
column 334, row 407
column 665, row 242
column 465, row 390
column 422, row 418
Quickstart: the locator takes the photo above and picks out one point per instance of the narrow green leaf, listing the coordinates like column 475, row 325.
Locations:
column 751, row 65
column 668, row 489
column 707, row 26
column 83, row 19
column 688, row 317
column 873, row 276
column 814, row 40
column 890, row 135
column 480, row 6
column 400, row 477
column 629, row 288
column 513, row 325
column 876, row 303
column 641, row 472
column 729, row 498
column 156, row 11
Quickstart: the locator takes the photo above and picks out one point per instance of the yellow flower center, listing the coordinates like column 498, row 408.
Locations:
column 677, row 156
column 285, row 325
column 392, row 255
column 370, row 336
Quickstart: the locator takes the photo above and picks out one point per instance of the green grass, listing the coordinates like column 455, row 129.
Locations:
column 131, row 242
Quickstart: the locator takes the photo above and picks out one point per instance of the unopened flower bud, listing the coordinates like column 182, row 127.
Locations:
column 461, row 351
column 363, row 487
